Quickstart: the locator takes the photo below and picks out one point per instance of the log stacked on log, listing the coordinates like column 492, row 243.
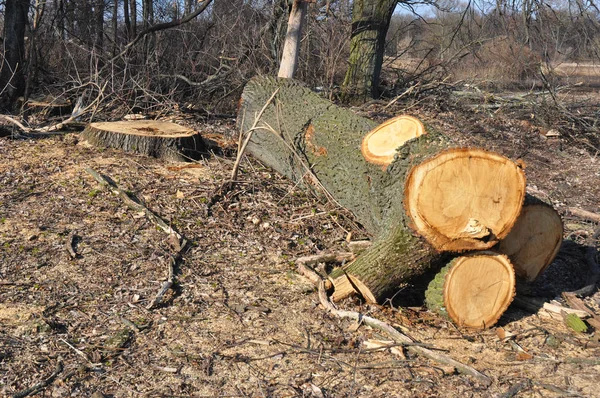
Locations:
column 163, row 140
column 404, row 182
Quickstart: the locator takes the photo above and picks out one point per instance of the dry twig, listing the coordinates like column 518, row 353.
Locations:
column 394, row 334
column 173, row 259
column 242, row 147
column 587, row 215
column 69, row 245
column 133, row 202
column 42, row 384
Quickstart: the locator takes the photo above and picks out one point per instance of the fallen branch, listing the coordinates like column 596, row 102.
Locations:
column 69, row 245
column 133, row 202
column 394, row 334
column 42, row 384
column 587, row 215
column 16, row 123
column 178, row 243
column 173, row 259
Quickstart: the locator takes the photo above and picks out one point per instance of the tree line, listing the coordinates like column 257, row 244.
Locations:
column 143, row 54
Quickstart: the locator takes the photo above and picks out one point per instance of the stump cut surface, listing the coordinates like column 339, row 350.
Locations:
column 153, row 128
column 478, row 289
column 159, row 139
column 380, row 144
column 464, row 199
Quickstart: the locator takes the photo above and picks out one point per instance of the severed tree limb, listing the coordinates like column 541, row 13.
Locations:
column 394, row 334
column 42, row 384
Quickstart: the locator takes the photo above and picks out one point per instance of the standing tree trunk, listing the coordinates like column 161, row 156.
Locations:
column 188, row 7
column 370, row 23
column 12, row 78
column 32, row 67
column 99, row 23
column 275, row 29
column 133, row 10
column 127, row 20
column 115, row 26
column 147, row 21
column 291, row 47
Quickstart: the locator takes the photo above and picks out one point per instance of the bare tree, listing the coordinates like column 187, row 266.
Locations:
column 12, row 77
column 133, row 10
column 291, row 48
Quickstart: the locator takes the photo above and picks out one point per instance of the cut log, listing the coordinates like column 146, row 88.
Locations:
column 163, row 140
column 380, row 144
column 465, row 199
column 310, row 140
column 48, row 107
column 473, row 290
column 535, row 240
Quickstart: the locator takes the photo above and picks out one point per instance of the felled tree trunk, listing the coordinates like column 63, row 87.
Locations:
column 365, row 169
column 163, row 140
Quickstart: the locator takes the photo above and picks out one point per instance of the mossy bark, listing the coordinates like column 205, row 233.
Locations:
column 370, row 23
column 310, row 140
column 306, row 137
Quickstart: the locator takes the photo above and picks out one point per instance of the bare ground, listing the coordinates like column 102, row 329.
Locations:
column 242, row 321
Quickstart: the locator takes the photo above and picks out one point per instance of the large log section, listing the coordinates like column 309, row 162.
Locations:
column 461, row 199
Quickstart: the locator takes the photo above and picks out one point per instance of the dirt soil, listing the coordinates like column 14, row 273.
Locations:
column 241, row 321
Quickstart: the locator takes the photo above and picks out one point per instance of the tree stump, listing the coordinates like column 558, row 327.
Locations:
column 310, row 140
column 473, row 290
column 159, row 139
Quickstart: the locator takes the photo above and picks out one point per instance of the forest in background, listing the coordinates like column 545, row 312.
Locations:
column 87, row 50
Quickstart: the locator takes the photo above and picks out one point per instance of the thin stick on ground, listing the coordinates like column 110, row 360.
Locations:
column 42, row 384
column 173, row 259
column 70, row 244
column 395, row 335
column 177, row 242
column 133, row 202
column 587, row 215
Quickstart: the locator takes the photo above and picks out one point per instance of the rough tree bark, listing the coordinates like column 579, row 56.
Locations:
column 308, row 139
column 370, row 23
column 127, row 20
column 133, row 10
column 12, row 77
column 99, row 25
